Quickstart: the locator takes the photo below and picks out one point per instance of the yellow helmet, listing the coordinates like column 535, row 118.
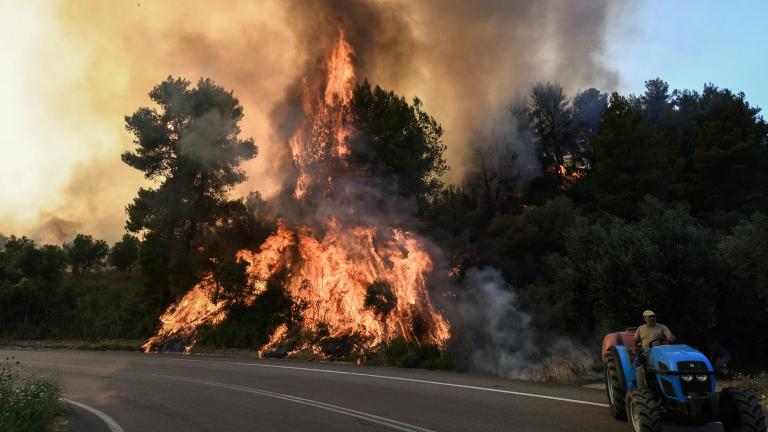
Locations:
column 649, row 312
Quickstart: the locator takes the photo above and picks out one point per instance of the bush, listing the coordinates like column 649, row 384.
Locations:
column 27, row 403
column 249, row 326
column 614, row 269
column 105, row 305
column 401, row 353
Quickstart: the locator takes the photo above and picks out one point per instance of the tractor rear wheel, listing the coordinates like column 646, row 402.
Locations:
column 741, row 411
column 643, row 411
column 615, row 386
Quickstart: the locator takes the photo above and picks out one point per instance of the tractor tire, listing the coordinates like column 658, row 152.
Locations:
column 615, row 386
column 643, row 411
column 741, row 411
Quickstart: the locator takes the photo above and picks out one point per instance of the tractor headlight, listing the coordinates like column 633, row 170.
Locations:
column 701, row 378
column 687, row 378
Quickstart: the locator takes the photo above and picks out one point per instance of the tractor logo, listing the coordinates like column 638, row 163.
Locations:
column 691, row 365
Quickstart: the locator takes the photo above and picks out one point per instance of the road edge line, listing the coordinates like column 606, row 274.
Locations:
column 110, row 422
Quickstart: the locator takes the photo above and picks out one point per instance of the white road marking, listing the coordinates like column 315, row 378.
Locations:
column 463, row 386
column 111, row 423
column 384, row 421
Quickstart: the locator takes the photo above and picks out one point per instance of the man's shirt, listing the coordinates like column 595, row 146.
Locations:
column 647, row 333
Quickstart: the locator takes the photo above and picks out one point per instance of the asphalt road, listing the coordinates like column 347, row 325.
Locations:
column 154, row 392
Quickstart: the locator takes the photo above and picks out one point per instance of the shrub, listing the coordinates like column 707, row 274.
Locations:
column 27, row 403
column 401, row 353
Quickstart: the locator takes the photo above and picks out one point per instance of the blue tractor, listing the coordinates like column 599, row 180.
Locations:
column 672, row 382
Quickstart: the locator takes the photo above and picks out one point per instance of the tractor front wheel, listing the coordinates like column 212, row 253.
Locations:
column 643, row 411
column 741, row 411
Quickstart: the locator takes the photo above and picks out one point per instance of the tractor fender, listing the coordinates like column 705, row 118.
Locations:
column 628, row 372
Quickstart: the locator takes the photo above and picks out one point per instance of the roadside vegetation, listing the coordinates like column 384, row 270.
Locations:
column 594, row 207
column 757, row 383
column 28, row 403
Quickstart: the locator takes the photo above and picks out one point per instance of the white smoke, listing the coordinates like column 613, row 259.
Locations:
column 502, row 340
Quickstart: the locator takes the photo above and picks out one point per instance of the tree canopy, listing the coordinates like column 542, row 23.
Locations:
column 398, row 141
column 86, row 254
column 191, row 148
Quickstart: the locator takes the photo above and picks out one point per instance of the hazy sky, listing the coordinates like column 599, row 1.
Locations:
column 70, row 70
column 691, row 42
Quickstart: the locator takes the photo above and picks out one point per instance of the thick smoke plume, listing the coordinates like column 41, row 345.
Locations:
column 465, row 60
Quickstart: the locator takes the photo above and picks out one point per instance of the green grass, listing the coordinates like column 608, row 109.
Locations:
column 28, row 403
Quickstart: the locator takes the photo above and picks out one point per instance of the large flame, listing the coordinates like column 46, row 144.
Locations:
column 320, row 142
column 367, row 283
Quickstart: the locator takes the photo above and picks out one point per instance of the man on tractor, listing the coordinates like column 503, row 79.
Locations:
column 652, row 331
column 671, row 381
column 649, row 334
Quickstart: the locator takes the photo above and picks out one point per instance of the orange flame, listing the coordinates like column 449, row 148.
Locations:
column 333, row 276
column 320, row 142
column 567, row 176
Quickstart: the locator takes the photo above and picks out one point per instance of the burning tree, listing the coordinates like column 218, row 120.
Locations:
column 343, row 255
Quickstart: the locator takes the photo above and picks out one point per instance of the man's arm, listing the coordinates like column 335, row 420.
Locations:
column 668, row 334
column 638, row 339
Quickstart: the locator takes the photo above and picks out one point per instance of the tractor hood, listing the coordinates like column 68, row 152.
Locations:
column 670, row 355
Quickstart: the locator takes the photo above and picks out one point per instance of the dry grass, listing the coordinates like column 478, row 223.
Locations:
column 101, row 345
column 758, row 384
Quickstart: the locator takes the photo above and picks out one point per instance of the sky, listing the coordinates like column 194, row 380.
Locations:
column 70, row 70
column 692, row 42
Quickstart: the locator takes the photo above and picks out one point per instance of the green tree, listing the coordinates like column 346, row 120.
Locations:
column 612, row 270
column 656, row 99
column 746, row 253
column 125, row 253
column 21, row 257
column 588, row 107
column 709, row 149
column 630, row 161
column 191, row 148
column 399, row 141
column 86, row 254
column 518, row 244
column 726, row 152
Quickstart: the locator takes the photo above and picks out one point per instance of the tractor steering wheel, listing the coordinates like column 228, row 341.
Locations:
column 661, row 341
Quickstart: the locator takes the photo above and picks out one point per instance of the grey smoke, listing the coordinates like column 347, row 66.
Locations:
column 501, row 339
column 465, row 60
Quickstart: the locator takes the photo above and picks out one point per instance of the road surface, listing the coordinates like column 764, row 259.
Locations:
column 162, row 392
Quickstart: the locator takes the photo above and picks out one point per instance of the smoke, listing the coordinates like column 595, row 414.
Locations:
column 501, row 339
column 463, row 59
column 503, row 160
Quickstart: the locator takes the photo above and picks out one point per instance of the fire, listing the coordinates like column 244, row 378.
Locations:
column 567, row 176
column 320, row 142
column 180, row 322
column 365, row 283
